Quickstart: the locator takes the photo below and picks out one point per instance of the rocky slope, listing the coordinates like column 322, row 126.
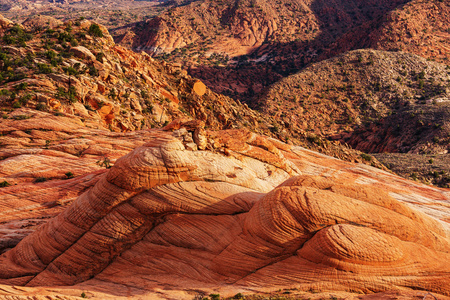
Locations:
column 419, row 27
column 110, row 13
column 247, row 214
column 430, row 168
column 74, row 69
column 376, row 101
column 242, row 46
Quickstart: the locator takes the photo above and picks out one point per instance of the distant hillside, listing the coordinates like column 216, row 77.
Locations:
column 419, row 27
column 376, row 101
column 110, row 13
column 240, row 47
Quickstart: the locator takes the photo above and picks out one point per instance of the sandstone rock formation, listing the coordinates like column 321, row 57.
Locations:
column 104, row 84
column 94, row 201
column 248, row 214
column 65, row 70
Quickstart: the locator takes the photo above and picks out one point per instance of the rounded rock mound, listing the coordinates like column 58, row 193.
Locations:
column 244, row 214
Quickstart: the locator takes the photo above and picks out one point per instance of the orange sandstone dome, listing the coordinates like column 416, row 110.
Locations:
column 248, row 213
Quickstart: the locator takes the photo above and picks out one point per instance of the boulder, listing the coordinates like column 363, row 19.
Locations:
column 82, row 52
column 5, row 24
column 199, row 88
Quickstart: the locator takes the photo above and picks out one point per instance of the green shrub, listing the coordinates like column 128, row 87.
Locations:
column 314, row 139
column 16, row 35
column 5, row 92
column 73, row 42
column 366, row 157
column 41, row 179
column 421, row 84
column 25, row 98
column 112, row 94
column 41, row 106
column 95, row 30
column 93, row 71
column 21, row 86
column 421, row 75
column 274, row 128
column 71, row 71
column 144, row 95
column 106, row 162
column 4, row 184
column 21, row 117
column 56, row 61
column 50, row 54
column 99, row 56
column 70, row 95
column 44, row 69
column 214, row 296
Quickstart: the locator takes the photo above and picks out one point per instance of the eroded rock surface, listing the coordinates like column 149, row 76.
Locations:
column 249, row 213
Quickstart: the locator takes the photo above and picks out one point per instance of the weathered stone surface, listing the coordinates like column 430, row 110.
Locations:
column 82, row 52
column 250, row 213
column 4, row 24
column 39, row 22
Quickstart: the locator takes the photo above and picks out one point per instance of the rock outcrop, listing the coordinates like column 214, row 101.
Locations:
column 68, row 70
column 249, row 213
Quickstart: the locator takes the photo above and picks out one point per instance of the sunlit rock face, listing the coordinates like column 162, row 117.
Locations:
column 246, row 213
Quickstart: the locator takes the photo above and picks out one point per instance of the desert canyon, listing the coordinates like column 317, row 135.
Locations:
column 124, row 176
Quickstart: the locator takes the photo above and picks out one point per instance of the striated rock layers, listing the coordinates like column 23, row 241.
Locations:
column 246, row 213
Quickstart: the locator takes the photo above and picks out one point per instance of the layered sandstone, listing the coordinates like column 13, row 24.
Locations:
column 248, row 213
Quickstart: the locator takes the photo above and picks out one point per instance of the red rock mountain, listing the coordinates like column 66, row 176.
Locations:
column 258, row 41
